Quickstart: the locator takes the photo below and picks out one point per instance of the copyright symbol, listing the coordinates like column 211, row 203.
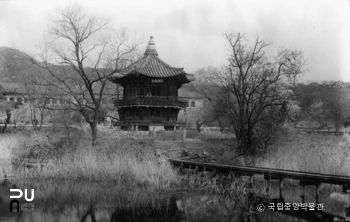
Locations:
column 260, row 207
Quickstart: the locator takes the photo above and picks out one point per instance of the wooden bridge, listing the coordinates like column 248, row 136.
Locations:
column 305, row 178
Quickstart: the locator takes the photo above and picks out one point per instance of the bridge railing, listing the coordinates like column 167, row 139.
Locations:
column 311, row 178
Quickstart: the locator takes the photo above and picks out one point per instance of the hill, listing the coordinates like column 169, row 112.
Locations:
column 15, row 67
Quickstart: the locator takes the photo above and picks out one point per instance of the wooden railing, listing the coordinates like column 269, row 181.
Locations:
column 154, row 120
column 151, row 101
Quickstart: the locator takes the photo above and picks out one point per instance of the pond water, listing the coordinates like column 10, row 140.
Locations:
column 57, row 200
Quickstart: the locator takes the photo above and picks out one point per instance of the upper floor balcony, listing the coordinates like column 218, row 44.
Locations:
column 155, row 101
column 150, row 121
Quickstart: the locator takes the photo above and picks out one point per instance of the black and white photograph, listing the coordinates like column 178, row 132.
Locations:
column 174, row 110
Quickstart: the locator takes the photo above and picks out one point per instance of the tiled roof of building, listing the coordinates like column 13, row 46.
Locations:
column 151, row 65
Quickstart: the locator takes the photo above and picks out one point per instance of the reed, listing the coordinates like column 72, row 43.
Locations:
column 8, row 142
column 124, row 158
column 313, row 152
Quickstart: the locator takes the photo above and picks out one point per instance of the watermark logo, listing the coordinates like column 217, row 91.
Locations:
column 16, row 206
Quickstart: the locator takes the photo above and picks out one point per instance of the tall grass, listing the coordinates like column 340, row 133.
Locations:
column 193, row 134
column 313, row 152
column 207, row 136
column 124, row 158
column 8, row 142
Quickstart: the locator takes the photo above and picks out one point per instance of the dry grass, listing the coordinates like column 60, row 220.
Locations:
column 193, row 134
column 124, row 158
column 91, row 164
column 237, row 190
column 8, row 142
column 205, row 136
column 317, row 153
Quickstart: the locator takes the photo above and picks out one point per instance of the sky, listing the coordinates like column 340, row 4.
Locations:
column 189, row 34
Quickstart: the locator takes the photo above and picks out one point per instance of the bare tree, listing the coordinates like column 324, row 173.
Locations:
column 76, row 64
column 198, row 116
column 317, row 112
column 211, row 113
column 335, row 106
column 39, row 98
column 325, row 103
column 7, row 107
column 253, row 91
column 18, row 115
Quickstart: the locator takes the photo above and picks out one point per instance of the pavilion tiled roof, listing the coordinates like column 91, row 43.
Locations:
column 151, row 65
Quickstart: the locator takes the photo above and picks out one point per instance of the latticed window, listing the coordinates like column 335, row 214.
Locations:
column 155, row 91
column 134, row 92
column 173, row 91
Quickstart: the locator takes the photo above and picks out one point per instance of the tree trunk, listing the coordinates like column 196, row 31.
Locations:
column 41, row 119
column 66, row 125
column 240, row 144
column 93, row 217
column 8, row 117
column 93, row 127
column 4, row 128
column 199, row 124
column 33, row 117
column 198, row 128
column 244, row 141
column 184, row 135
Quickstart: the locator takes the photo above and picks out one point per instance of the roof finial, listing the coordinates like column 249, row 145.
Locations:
column 151, row 48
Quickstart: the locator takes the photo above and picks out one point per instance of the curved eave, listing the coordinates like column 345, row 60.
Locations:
column 190, row 77
column 153, row 67
column 183, row 77
column 117, row 77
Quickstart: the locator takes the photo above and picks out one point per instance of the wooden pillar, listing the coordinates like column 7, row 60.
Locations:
column 317, row 193
column 250, row 184
column 280, row 188
column 175, row 128
column 195, row 169
column 184, row 135
column 346, row 187
column 303, row 194
column 267, row 190
column 137, row 128
column 154, row 133
column 132, row 127
column 214, row 172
